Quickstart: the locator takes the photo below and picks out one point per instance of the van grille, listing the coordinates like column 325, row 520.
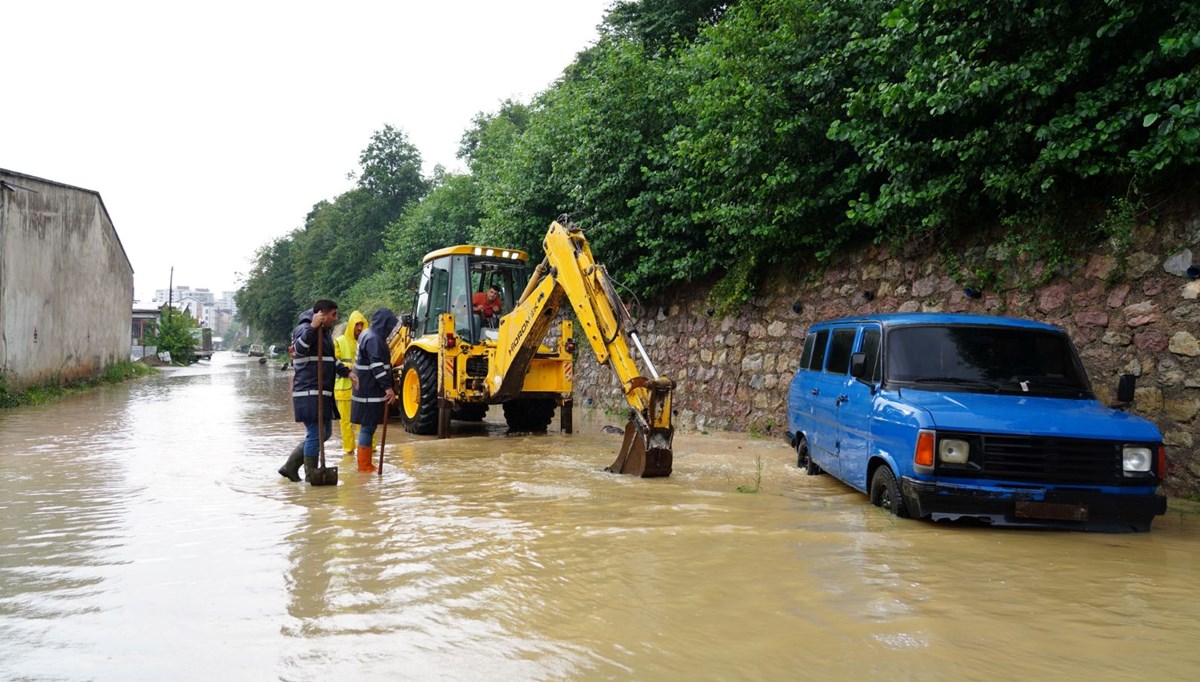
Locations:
column 1052, row 460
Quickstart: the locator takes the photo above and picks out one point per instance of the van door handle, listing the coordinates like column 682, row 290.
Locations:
column 815, row 391
column 842, row 399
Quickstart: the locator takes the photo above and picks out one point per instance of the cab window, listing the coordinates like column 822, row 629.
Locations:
column 839, row 351
column 818, row 354
column 870, row 348
column 806, row 356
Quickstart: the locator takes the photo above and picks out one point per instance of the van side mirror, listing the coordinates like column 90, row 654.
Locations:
column 858, row 365
column 1125, row 388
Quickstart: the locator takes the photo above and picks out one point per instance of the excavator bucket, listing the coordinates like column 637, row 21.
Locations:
column 645, row 452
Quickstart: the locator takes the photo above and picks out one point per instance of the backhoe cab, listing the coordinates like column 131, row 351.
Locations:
column 453, row 362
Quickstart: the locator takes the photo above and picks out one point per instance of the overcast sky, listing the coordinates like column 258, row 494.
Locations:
column 210, row 129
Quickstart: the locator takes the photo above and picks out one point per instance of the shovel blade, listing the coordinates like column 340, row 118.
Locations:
column 323, row 476
column 643, row 455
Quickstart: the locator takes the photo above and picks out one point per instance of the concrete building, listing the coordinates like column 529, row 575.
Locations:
column 66, row 284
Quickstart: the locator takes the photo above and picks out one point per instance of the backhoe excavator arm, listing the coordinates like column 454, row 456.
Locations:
column 569, row 271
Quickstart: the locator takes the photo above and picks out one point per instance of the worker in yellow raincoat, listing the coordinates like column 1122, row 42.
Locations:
column 345, row 348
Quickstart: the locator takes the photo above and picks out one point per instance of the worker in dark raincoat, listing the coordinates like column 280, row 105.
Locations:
column 305, row 392
column 374, row 388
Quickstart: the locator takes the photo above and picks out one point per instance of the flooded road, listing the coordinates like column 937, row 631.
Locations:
column 144, row 534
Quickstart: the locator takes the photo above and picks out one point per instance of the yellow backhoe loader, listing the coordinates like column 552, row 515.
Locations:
column 456, row 354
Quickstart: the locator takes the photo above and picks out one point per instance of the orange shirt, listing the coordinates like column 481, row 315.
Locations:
column 479, row 300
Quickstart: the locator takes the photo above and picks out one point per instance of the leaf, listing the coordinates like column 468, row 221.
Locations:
column 1149, row 120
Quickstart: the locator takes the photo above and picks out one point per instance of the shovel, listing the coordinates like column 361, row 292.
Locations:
column 383, row 438
column 323, row 475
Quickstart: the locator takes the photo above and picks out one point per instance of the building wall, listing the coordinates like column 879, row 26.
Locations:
column 66, row 284
column 1136, row 313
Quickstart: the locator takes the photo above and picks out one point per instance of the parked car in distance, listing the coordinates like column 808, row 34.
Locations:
column 949, row 416
column 256, row 350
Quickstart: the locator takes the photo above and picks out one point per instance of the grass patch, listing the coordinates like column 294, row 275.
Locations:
column 49, row 391
column 758, row 467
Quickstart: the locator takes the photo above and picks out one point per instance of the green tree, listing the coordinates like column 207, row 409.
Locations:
column 391, row 170
column 447, row 216
column 658, row 23
column 173, row 334
column 266, row 300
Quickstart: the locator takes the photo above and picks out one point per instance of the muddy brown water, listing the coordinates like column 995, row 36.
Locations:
column 144, row 534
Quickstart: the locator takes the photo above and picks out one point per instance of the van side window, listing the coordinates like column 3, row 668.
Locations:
column 870, row 348
column 806, row 356
column 818, row 355
column 839, row 351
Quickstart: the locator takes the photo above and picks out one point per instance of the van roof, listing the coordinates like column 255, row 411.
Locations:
column 904, row 319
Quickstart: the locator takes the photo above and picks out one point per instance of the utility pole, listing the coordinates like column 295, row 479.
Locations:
column 170, row 292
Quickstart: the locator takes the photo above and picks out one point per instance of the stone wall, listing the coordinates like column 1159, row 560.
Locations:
column 1139, row 314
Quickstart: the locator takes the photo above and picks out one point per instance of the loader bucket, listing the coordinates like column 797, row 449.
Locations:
column 647, row 455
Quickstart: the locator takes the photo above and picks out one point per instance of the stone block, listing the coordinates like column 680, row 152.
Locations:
column 1091, row 319
column 909, row 307
column 1178, row 439
column 1178, row 262
column 1142, row 320
column 1191, row 290
column 1184, row 343
column 752, row 362
column 1117, row 339
column 1100, row 266
column 1181, row 409
column 777, row 329
column 1151, row 340
column 1053, row 296
column 1142, row 308
column 1116, row 297
column 1148, row 400
column 1152, row 286
column 1139, row 264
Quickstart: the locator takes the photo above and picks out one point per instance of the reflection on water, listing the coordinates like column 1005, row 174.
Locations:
column 144, row 534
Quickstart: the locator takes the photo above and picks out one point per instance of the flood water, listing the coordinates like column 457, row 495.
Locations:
column 144, row 534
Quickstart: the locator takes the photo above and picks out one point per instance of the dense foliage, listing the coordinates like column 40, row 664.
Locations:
column 701, row 138
column 173, row 334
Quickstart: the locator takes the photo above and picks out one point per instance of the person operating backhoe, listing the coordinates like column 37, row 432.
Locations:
column 487, row 304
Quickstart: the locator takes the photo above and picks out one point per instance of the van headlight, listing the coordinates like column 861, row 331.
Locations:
column 954, row 451
column 1135, row 458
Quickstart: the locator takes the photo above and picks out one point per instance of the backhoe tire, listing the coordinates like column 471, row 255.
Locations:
column 418, row 393
column 471, row 412
column 531, row 415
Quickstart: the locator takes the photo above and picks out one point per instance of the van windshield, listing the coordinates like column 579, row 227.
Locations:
column 985, row 359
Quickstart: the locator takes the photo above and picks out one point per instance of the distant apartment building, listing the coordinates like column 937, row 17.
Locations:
column 57, row 241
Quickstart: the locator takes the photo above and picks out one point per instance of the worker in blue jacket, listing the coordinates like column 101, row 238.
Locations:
column 374, row 388
column 305, row 393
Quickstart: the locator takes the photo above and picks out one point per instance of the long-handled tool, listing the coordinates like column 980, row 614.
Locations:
column 387, row 406
column 323, row 475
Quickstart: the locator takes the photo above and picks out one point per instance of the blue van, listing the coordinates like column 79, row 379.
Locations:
column 948, row 416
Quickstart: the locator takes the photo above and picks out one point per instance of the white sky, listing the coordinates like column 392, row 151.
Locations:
column 210, row 129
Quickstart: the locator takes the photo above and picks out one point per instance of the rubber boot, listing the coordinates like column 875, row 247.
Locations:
column 310, row 465
column 291, row 468
column 365, row 453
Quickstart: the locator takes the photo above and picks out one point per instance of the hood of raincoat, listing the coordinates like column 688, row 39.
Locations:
column 305, row 317
column 383, row 321
column 355, row 318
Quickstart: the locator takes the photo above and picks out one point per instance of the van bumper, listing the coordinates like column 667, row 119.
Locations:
column 1064, row 508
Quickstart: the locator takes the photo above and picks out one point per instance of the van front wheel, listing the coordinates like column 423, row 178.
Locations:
column 886, row 493
column 804, row 459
